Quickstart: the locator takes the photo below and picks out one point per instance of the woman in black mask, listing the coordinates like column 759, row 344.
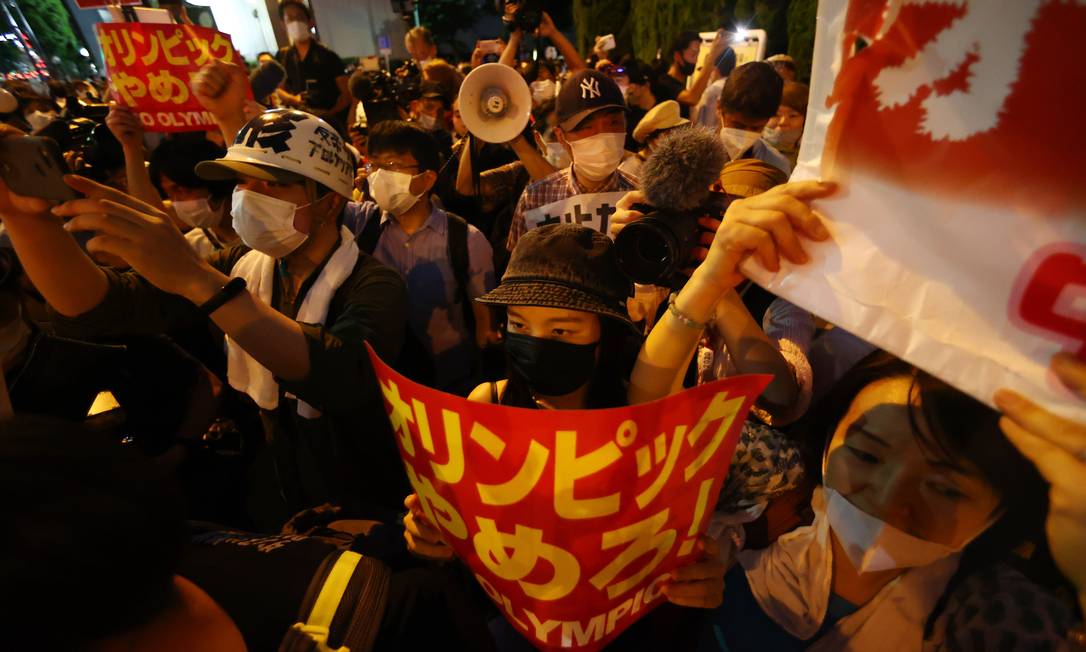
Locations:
column 570, row 345
column 568, row 336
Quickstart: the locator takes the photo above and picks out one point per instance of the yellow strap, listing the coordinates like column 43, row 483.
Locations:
column 324, row 608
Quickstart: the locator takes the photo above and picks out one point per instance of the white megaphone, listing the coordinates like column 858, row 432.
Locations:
column 495, row 103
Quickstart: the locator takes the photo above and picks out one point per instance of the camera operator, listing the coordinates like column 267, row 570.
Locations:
column 687, row 184
column 420, row 45
column 522, row 17
column 316, row 80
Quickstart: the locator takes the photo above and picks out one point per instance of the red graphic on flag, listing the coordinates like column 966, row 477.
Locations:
column 1050, row 296
column 963, row 97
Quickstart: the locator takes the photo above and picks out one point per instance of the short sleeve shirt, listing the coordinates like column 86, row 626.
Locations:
column 316, row 73
column 560, row 185
column 436, row 316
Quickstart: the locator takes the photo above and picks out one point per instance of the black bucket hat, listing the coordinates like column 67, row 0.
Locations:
column 564, row 266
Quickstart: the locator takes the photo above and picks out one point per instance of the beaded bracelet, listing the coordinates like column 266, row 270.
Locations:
column 683, row 319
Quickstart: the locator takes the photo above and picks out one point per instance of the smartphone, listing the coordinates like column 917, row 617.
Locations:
column 33, row 166
column 491, row 46
column 608, row 43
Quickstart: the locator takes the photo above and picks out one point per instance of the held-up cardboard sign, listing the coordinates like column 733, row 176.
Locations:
column 570, row 520
column 151, row 67
column 592, row 210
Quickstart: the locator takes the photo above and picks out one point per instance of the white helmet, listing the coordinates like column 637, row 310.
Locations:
column 282, row 145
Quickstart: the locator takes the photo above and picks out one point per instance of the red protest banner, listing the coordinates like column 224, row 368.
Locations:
column 569, row 519
column 151, row 66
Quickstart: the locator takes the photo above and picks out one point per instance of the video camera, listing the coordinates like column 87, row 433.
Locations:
column 655, row 249
column 83, row 130
column 526, row 15
column 382, row 94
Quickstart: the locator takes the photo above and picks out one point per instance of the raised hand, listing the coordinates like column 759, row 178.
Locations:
column 423, row 537
column 625, row 213
column 222, row 88
column 766, row 226
column 701, row 584
column 125, row 126
column 135, row 232
column 1057, row 446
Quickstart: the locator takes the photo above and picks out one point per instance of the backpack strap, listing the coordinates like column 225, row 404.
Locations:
column 346, row 579
column 459, row 260
column 371, row 233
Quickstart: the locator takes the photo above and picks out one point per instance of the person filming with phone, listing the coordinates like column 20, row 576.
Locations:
column 295, row 298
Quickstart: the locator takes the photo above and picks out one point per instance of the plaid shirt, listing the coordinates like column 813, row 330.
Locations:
column 558, row 186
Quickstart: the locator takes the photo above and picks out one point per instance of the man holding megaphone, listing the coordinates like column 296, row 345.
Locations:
column 592, row 128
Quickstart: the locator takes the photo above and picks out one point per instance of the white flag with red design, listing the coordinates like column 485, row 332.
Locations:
column 954, row 130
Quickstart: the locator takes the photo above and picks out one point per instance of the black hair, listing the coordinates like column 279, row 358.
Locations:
column 283, row 4
column 93, row 534
column 421, row 32
column 260, row 54
column 638, row 72
column 952, row 425
column 176, row 159
column 753, row 90
column 402, row 137
column 547, row 107
column 617, row 353
column 681, row 42
column 785, row 64
column 531, row 74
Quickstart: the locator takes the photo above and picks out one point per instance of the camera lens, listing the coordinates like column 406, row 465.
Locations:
column 648, row 251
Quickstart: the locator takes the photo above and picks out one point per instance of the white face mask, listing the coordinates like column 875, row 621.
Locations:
column 265, row 223
column 427, row 122
column 39, row 119
column 874, row 545
column 738, row 141
column 542, row 90
column 392, row 191
column 197, row 213
column 298, row 31
column 782, row 139
column 557, row 155
column 597, row 157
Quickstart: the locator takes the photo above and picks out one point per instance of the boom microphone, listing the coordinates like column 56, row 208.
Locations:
column 682, row 166
column 675, row 179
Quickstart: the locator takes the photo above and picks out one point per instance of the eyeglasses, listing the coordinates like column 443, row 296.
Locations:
column 373, row 166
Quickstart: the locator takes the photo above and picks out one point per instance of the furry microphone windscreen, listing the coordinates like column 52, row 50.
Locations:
column 682, row 166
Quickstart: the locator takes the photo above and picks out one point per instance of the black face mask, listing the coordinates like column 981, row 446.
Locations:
column 687, row 68
column 551, row 367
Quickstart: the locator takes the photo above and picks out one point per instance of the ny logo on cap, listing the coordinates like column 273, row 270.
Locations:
column 590, row 87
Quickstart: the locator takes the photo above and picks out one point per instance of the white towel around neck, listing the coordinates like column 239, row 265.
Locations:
column 792, row 580
column 258, row 269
